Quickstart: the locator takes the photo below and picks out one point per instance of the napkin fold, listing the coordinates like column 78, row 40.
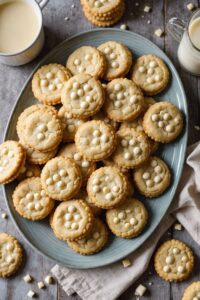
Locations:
column 111, row 281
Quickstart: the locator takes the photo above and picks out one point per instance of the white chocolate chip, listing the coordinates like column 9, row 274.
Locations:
column 88, row 57
column 74, row 226
column 44, row 82
column 109, row 196
column 68, row 216
column 152, row 64
column 190, row 6
column 107, row 50
column 157, row 179
column 118, row 104
column 133, row 221
column 84, row 104
column 149, row 183
column 161, row 124
column 154, row 117
column 115, row 64
column 49, row 75
column 40, row 136
column 68, row 225
column 96, row 189
column 52, row 87
column 169, row 259
column 48, row 279
column 96, row 133
column 127, row 225
column 30, row 206
column 126, row 262
column 132, row 142
column 27, row 278
column 169, row 128
column 150, row 71
column 80, row 92
column 146, row 175
column 89, row 98
column 77, row 217
column 62, row 172
column 41, row 285
column 184, row 258
column 104, row 138
column 123, row 27
column 150, row 80
column 137, row 150
column 133, row 99
column 73, row 95
column 116, row 220
column 71, row 208
column 31, row 294
column 77, row 62
column 166, row 269
column 4, row 216
column 95, row 141
column 158, row 169
column 147, row 8
column 121, row 215
column 117, row 87
column 56, row 177
column 181, row 269
column 86, row 87
column 178, row 226
column 176, row 250
column 85, row 164
column 159, row 32
column 141, row 69
column 77, row 156
column 127, row 155
column 140, row 290
column 157, row 77
column 49, row 181
column 115, row 189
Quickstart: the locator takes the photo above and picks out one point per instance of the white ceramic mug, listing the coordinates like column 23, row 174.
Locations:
column 29, row 53
column 188, row 53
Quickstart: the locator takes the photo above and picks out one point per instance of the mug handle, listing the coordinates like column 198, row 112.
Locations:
column 42, row 3
column 176, row 27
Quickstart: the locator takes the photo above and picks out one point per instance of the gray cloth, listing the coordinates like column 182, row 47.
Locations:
column 111, row 281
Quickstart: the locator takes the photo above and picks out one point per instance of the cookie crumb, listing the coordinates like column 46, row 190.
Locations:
column 66, row 18
column 41, row 285
column 190, row 6
column 126, row 263
column 31, row 294
column 49, row 279
column 150, row 283
column 148, row 22
column 147, row 8
column 159, row 32
column 72, row 6
column 70, row 292
column 27, row 278
column 140, row 290
column 137, row 4
column 197, row 127
column 123, row 27
column 178, row 226
column 4, row 216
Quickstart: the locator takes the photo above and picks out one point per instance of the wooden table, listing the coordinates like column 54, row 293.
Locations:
column 57, row 28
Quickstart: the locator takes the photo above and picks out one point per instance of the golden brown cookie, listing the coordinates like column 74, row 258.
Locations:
column 192, row 292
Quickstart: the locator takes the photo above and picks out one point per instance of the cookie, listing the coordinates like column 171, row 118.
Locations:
column 110, row 163
column 101, row 8
column 37, row 157
column 163, row 122
column 152, row 178
column 12, row 159
column 88, row 60
column 93, row 242
column 192, row 292
column 127, row 220
column 31, row 201
column 11, row 255
column 132, row 149
column 95, row 140
column 61, row 178
column 148, row 101
column 151, row 74
column 86, row 167
column 41, row 129
column 107, row 187
column 119, row 59
column 103, row 117
column 72, row 220
column 174, row 261
column 48, row 82
column 70, row 124
column 124, row 100
column 82, row 194
column 28, row 171
column 137, row 125
column 82, row 96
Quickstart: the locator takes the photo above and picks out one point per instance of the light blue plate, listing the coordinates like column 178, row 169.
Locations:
column 39, row 234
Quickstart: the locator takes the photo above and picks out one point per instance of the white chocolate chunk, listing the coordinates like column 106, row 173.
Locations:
column 159, row 32
column 140, row 290
column 147, row 8
column 4, row 216
column 190, row 6
column 48, row 279
column 40, row 284
column 27, row 278
column 126, row 262
column 123, row 27
column 31, row 294
column 178, row 226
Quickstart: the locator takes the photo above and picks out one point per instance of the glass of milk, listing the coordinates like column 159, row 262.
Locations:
column 188, row 35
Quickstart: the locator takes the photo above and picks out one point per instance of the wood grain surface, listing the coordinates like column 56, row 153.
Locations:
column 57, row 28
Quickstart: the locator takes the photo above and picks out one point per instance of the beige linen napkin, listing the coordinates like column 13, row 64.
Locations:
column 111, row 281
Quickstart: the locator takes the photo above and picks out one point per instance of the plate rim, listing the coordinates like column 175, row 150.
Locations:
column 49, row 54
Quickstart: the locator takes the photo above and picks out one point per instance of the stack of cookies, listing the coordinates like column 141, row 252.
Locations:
column 103, row 13
column 96, row 148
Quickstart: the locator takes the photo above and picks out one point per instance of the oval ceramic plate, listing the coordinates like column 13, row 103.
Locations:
column 39, row 234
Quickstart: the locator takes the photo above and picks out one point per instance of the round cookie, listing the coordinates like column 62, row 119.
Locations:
column 152, row 178
column 107, row 187
column 12, row 159
column 37, row 157
column 72, row 220
column 31, row 201
column 124, row 100
column 192, row 292
column 173, row 261
column 103, row 117
column 132, row 150
column 88, row 60
column 61, row 178
column 127, row 220
column 41, row 129
column 11, row 255
column 151, row 74
column 93, row 242
column 48, row 82
column 148, row 101
column 119, row 59
column 70, row 124
column 82, row 96
column 95, row 140
column 163, row 122
column 86, row 167
column 82, row 194
column 28, row 171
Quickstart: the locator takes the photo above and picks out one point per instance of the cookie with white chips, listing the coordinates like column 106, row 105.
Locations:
column 151, row 74
column 83, row 96
column 174, row 261
column 61, row 178
column 163, row 122
column 48, row 82
column 70, row 124
column 124, row 100
column 93, row 242
column 31, row 201
column 132, row 150
column 88, row 60
column 192, row 292
column 72, row 220
column 28, row 171
column 86, row 167
column 128, row 220
column 152, row 178
column 95, row 140
column 11, row 255
column 119, row 59
column 107, row 187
